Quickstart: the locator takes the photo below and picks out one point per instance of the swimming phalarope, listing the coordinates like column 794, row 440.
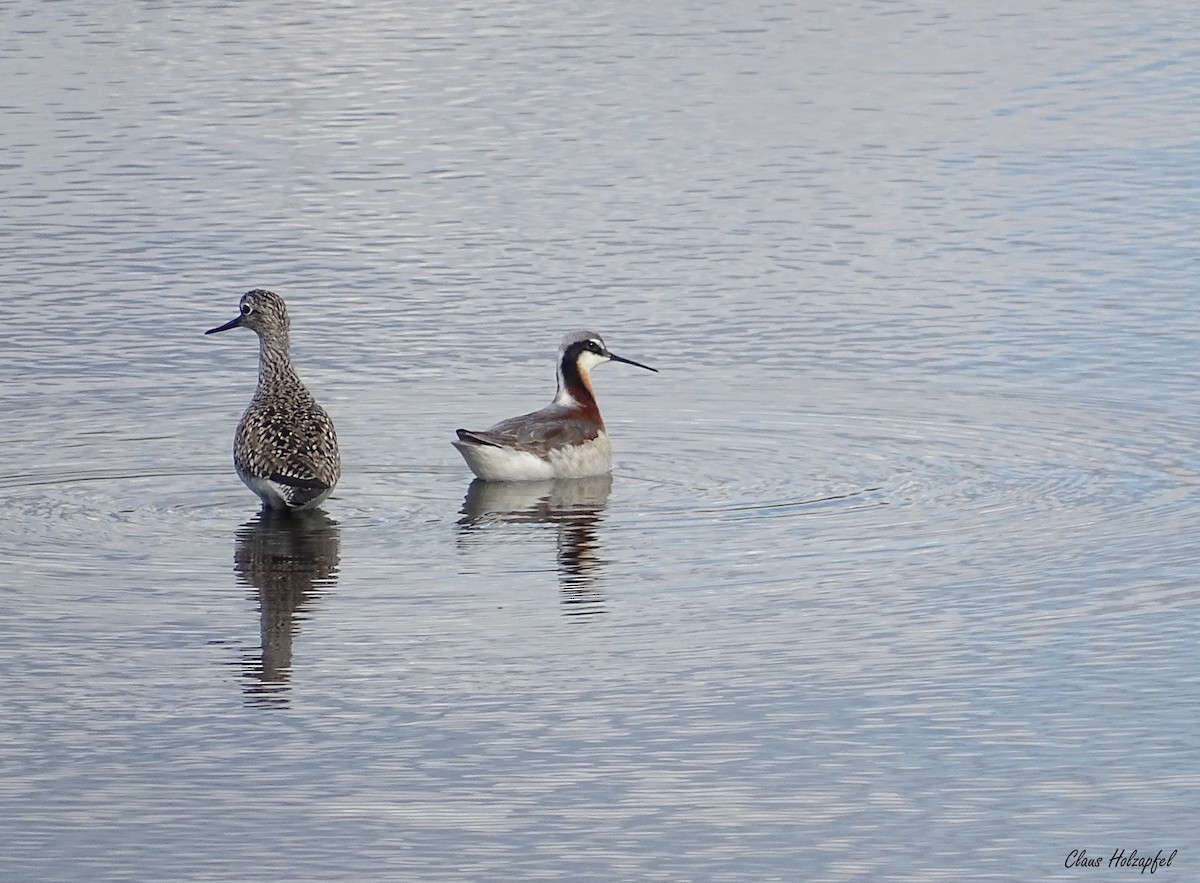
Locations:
column 285, row 448
column 565, row 439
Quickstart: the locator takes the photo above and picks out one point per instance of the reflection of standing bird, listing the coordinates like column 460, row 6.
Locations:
column 565, row 439
column 285, row 448
column 288, row 560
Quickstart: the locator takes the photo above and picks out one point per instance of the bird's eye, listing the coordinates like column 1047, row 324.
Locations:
column 595, row 347
column 247, row 309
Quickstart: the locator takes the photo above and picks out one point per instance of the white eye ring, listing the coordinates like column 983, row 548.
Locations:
column 247, row 309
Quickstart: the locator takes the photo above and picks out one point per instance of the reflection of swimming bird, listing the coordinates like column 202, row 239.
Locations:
column 565, row 439
column 573, row 506
column 285, row 448
column 288, row 559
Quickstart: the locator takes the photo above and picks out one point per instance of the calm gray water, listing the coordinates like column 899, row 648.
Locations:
column 895, row 577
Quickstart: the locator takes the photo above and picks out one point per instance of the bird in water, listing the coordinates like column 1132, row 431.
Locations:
column 565, row 439
column 285, row 448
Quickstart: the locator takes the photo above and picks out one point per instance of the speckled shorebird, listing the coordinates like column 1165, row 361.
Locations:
column 285, row 448
column 565, row 439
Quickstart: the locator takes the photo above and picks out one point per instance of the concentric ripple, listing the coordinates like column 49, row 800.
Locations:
column 867, row 478
column 991, row 480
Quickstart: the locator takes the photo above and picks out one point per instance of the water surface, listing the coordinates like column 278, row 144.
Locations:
column 895, row 575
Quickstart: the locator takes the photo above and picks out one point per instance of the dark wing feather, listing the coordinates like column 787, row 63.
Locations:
column 297, row 492
column 537, row 433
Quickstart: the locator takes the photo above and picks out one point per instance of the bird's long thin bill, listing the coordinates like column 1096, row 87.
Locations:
column 632, row 362
column 232, row 323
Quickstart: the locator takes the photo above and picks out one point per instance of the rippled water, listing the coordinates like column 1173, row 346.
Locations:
column 895, row 575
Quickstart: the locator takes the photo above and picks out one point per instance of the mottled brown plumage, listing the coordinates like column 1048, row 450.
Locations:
column 285, row 448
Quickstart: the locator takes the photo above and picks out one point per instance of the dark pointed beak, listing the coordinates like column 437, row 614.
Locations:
column 232, row 323
column 616, row 358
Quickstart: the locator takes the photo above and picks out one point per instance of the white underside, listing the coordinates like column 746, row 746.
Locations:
column 271, row 493
column 507, row 464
